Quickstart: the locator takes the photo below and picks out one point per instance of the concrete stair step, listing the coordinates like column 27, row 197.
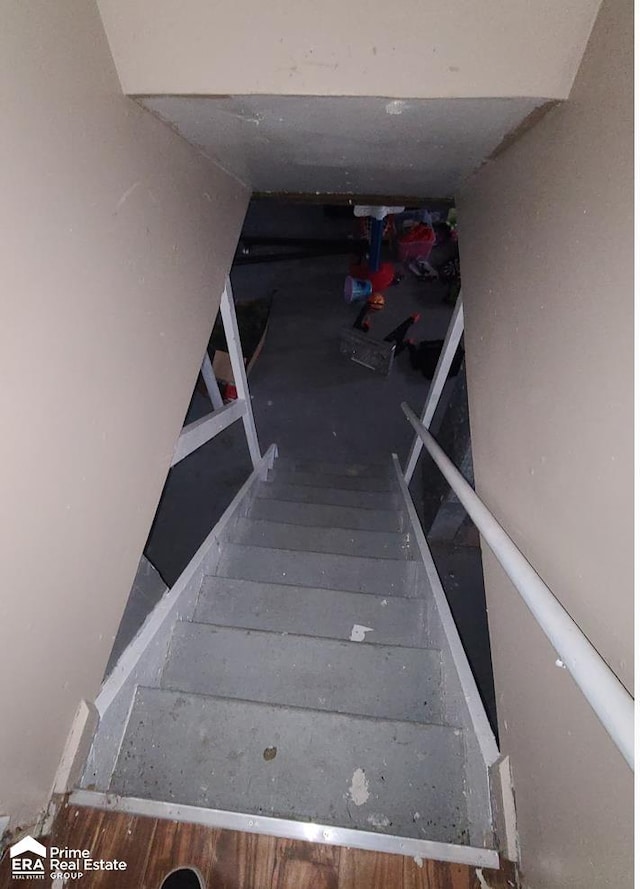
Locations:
column 345, row 541
column 352, row 470
column 331, row 496
column 306, row 765
column 342, row 482
column 380, row 681
column 321, row 515
column 309, row 611
column 356, row 574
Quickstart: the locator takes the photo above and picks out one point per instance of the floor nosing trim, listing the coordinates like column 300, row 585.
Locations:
column 289, row 829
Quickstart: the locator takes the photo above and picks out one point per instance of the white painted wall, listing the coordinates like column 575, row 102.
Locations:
column 546, row 236
column 116, row 237
column 411, row 48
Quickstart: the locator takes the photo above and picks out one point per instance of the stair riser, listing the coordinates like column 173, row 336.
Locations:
column 327, row 496
column 343, row 482
column 348, row 542
column 301, row 671
column 349, row 470
column 311, row 612
column 382, row 577
column 318, row 515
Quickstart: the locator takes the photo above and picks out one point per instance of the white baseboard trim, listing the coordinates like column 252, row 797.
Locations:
column 76, row 748
column 504, row 808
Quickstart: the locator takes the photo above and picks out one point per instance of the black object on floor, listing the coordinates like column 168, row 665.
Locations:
column 399, row 333
column 185, row 878
column 252, row 320
column 425, row 357
column 361, row 322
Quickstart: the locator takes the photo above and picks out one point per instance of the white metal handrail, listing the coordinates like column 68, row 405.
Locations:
column 603, row 690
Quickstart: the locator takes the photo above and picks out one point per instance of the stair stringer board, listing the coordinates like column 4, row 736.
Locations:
column 462, row 703
column 142, row 662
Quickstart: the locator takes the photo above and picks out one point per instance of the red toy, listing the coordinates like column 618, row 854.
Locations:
column 380, row 280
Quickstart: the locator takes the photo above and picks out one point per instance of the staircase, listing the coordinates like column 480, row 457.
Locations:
column 311, row 684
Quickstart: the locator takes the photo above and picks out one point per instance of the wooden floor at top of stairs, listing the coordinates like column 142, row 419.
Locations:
column 231, row 860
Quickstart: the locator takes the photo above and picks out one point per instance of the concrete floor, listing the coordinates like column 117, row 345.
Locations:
column 315, row 404
column 306, row 397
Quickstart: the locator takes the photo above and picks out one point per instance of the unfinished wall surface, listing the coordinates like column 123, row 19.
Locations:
column 116, row 239
column 412, row 48
column 547, row 263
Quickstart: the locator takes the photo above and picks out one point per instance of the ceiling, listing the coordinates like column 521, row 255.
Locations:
column 346, row 145
column 409, row 48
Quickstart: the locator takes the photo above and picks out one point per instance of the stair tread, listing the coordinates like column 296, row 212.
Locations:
column 358, row 574
column 350, row 542
column 325, row 515
column 328, row 613
column 305, row 671
column 390, row 777
column 345, row 482
column 320, row 467
column 327, row 494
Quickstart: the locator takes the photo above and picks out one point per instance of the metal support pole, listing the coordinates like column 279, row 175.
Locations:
column 375, row 251
column 211, row 383
column 230, row 322
column 451, row 343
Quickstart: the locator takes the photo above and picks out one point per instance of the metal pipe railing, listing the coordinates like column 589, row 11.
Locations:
column 608, row 697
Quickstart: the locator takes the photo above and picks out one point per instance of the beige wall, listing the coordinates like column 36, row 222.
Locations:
column 419, row 48
column 116, row 236
column 547, row 263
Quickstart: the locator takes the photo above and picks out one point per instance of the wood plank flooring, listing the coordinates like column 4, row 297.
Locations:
column 232, row 860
